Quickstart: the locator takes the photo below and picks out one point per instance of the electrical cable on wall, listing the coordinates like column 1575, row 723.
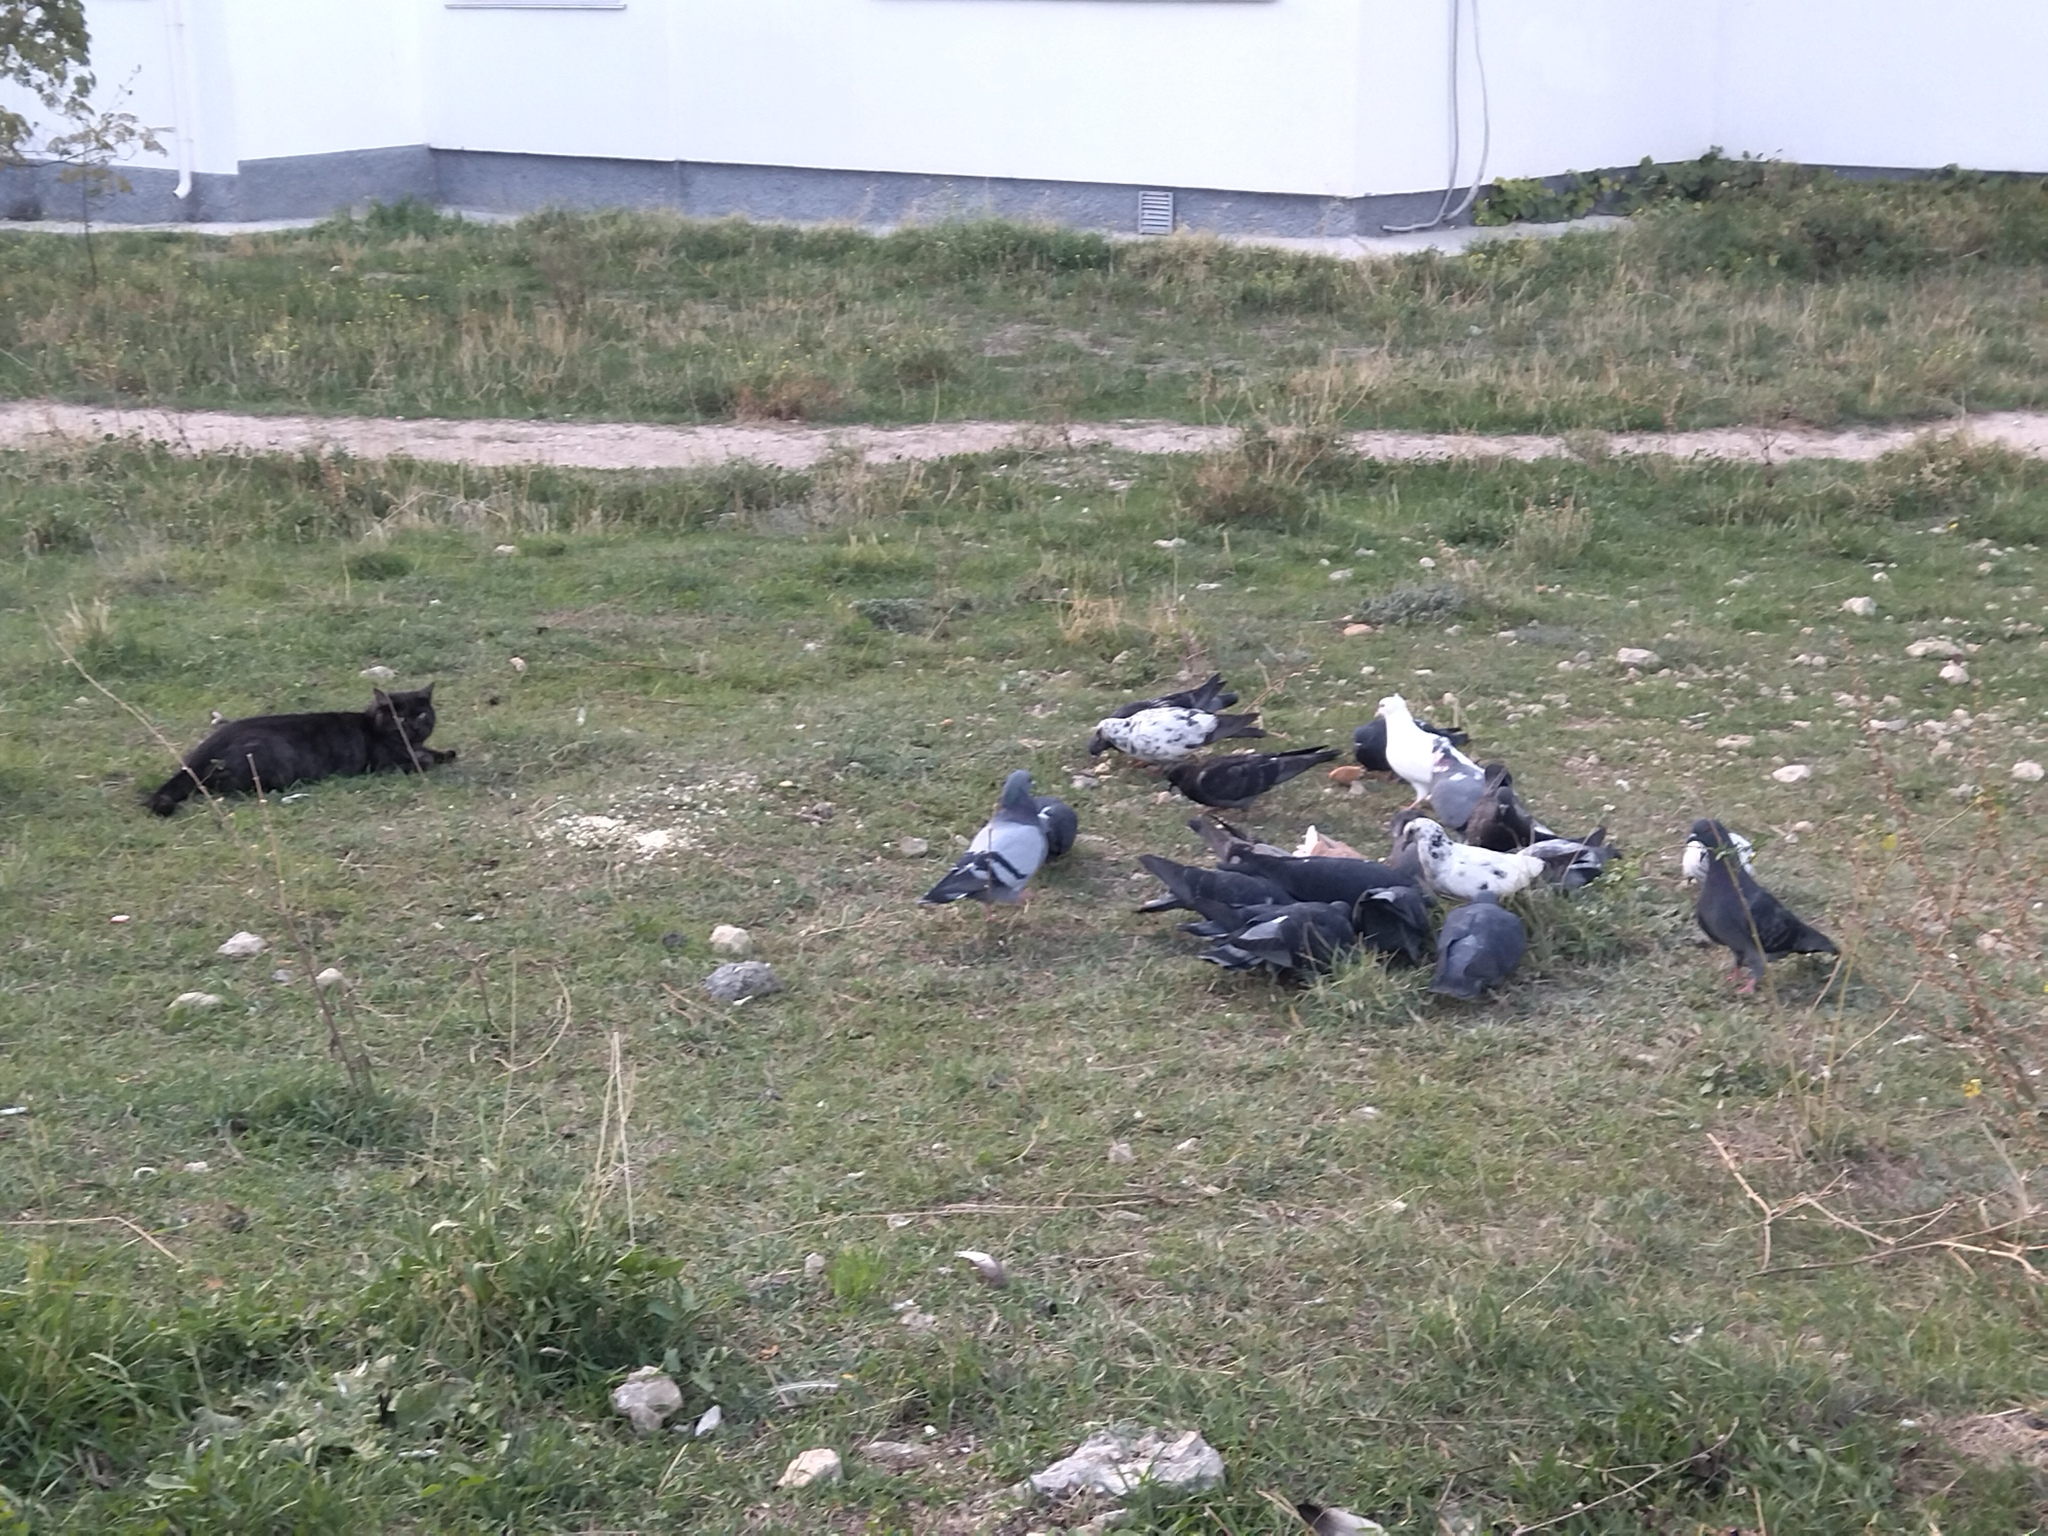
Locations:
column 1446, row 212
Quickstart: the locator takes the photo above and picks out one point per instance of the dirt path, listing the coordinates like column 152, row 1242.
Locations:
column 640, row 445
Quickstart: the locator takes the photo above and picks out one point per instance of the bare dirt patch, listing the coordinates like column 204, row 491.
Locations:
column 790, row 445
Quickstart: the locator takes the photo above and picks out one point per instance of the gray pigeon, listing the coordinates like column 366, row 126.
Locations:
column 1062, row 824
column 1369, row 743
column 1233, row 782
column 1736, row 912
column 1216, row 894
column 1209, row 696
column 1572, row 862
column 1394, row 920
column 1456, row 784
column 1304, row 936
column 1005, row 853
column 1480, row 946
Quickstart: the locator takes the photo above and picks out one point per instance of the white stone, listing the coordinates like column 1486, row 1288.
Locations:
column 1636, row 656
column 647, row 1397
column 328, row 978
column 378, row 674
column 1955, row 673
column 242, row 945
column 1792, row 773
column 1115, row 1464
column 814, row 1265
column 1862, row 607
column 707, row 1421
column 728, row 940
column 1120, row 1152
column 914, row 847
column 2027, row 771
column 1934, row 646
column 197, row 1000
column 506, row 549
column 986, row 1265
column 1341, row 1522
column 820, row 1465
column 1735, row 741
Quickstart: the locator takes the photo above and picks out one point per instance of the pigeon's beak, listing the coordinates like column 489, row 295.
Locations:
column 1096, row 745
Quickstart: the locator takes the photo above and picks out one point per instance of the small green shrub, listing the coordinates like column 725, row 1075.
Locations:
column 546, row 1297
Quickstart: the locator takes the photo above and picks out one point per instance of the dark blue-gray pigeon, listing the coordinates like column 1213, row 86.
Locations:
column 1369, row 743
column 1004, row 854
column 1209, row 696
column 1736, row 912
column 1480, row 946
column 1303, row 936
column 1394, row 920
column 1233, row 782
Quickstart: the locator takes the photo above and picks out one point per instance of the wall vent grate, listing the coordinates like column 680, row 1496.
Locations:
column 1155, row 213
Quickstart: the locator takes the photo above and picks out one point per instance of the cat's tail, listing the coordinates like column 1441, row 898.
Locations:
column 175, row 791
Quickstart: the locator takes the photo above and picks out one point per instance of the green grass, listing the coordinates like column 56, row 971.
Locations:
column 1406, row 1257
column 1786, row 296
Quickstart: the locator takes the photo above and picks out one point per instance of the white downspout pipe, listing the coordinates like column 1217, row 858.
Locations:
column 182, row 93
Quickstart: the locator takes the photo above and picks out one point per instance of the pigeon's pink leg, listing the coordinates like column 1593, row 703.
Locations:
column 1748, row 987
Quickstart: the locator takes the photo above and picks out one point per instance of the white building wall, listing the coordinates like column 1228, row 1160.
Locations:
column 1328, row 98
column 1885, row 82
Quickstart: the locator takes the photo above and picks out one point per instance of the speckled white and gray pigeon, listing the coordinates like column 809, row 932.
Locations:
column 1168, row 735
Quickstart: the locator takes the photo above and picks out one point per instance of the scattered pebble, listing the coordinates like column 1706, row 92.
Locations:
column 2027, row 771
column 897, row 1455
column 378, row 674
column 242, row 945
column 1120, row 1152
column 518, row 663
column 1169, row 543
column 814, row 1466
column 1427, row 563
column 647, row 1397
column 740, row 980
column 1327, row 1521
column 1358, row 629
column 1636, row 656
column 1954, row 673
column 915, row 847
column 1341, row 575
column 506, row 549
column 120, row 917
column 814, row 1265
column 328, row 978
column 728, row 940
column 200, row 1167
column 197, row 1000
column 1792, row 773
column 1933, row 646
column 1862, row 607
column 707, row 1421
column 1736, row 741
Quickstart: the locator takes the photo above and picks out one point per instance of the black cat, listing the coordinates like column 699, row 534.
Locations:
column 275, row 750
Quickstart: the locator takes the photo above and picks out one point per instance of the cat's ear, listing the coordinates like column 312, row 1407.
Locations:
column 380, row 699
column 427, row 693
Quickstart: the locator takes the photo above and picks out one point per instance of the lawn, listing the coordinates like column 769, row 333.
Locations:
column 1457, row 1268
column 1782, row 297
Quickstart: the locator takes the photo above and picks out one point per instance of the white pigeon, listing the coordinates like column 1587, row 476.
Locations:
column 1167, row 735
column 1417, row 757
column 1698, row 855
column 1451, row 868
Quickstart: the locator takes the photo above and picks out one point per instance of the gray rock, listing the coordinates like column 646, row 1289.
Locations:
column 742, row 979
column 1115, row 1462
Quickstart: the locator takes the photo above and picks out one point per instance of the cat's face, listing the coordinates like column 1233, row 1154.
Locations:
column 412, row 713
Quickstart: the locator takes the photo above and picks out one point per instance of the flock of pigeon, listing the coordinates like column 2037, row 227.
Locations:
column 1261, row 907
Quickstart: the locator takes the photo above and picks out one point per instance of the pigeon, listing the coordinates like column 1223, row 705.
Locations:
column 1480, row 946
column 1302, row 936
column 1210, row 696
column 1456, row 785
column 1062, row 825
column 1500, row 821
column 1225, row 841
column 1569, row 863
column 1213, row 893
column 1460, row 870
column 1737, row 913
column 1369, row 743
column 1413, row 755
column 1339, row 880
column 1006, row 852
column 1234, row 782
column 1394, row 920
column 1693, row 865
column 1168, row 735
